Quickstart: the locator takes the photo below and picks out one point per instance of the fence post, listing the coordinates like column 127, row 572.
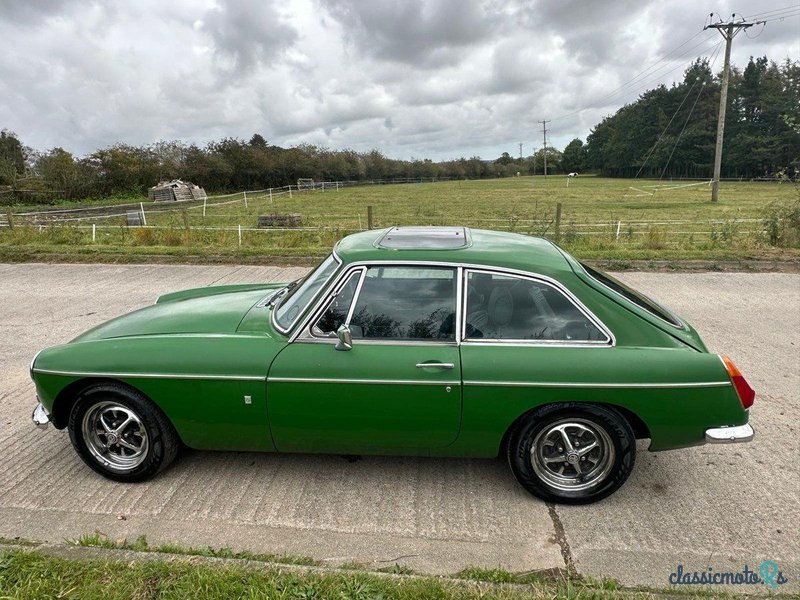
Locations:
column 94, row 232
column 290, row 192
column 619, row 224
column 10, row 219
column 204, row 206
column 144, row 220
column 369, row 217
column 337, row 186
column 270, row 195
column 323, row 186
column 558, row 222
column 240, row 236
column 245, row 200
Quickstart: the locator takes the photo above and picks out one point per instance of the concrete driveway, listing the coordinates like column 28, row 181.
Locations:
column 714, row 506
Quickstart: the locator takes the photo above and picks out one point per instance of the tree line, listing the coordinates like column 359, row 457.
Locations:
column 667, row 131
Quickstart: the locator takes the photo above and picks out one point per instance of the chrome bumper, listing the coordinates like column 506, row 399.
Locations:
column 730, row 435
column 40, row 416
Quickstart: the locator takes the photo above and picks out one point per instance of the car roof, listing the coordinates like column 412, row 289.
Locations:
column 459, row 245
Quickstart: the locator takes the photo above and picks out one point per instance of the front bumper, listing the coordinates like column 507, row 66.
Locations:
column 730, row 435
column 40, row 416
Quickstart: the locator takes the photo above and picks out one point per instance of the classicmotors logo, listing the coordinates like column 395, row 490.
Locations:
column 767, row 574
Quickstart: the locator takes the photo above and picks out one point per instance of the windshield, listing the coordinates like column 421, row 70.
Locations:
column 297, row 298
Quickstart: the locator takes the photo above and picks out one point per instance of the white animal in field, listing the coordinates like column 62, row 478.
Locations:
column 573, row 174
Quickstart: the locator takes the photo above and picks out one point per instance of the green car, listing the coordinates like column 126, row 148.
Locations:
column 434, row 341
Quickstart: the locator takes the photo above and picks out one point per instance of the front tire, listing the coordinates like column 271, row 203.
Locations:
column 572, row 453
column 121, row 434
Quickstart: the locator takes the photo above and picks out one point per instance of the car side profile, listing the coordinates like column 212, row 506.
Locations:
column 430, row 341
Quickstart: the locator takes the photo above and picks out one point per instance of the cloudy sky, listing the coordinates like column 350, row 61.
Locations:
column 415, row 78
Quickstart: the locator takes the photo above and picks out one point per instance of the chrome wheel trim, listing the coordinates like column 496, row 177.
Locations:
column 115, row 436
column 572, row 455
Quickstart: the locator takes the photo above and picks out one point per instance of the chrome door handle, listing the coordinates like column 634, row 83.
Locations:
column 435, row 365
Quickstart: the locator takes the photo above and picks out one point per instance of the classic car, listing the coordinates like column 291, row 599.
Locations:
column 432, row 341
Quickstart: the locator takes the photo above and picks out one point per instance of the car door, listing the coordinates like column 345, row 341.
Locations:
column 526, row 341
column 396, row 390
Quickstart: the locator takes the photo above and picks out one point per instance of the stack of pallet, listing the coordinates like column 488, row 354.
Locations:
column 176, row 190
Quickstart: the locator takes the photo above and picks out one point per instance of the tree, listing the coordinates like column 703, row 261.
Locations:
column 574, row 156
column 12, row 157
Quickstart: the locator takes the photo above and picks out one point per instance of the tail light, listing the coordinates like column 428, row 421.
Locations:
column 743, row 389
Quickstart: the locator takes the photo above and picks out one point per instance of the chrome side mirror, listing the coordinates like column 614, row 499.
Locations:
column 345, row 338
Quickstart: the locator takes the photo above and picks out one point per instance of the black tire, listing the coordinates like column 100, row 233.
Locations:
column 610, row 431
column 159, row 446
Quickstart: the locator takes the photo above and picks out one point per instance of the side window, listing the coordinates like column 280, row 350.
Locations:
column 406, row 303
column 504, row 307
column 336, row 314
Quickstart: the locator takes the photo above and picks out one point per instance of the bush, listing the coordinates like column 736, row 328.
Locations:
column 782, row 224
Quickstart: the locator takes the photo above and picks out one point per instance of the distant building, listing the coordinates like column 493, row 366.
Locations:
column 175, row 190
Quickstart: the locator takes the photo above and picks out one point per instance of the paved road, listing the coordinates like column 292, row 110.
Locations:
column 723, row 506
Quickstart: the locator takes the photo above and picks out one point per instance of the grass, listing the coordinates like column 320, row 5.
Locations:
column 602, row 219
column 98, row 540
column 49, row 572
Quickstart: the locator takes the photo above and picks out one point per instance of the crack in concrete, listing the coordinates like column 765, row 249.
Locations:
column 561, row 540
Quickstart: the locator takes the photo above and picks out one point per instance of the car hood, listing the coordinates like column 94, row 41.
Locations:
column 205, row 310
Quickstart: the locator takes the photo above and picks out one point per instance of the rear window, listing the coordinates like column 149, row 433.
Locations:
column 632, row 295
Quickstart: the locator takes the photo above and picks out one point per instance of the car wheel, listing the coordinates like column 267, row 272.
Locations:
column 572, row 453
column 121, row 434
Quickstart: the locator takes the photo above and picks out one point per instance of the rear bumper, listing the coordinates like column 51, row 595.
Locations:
column 730, row 435
column 40, row 416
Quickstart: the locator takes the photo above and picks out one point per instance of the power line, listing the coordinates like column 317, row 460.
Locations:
column 771, row 12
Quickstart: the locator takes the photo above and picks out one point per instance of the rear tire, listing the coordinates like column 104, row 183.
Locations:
column 121, row 434
column 572, row 453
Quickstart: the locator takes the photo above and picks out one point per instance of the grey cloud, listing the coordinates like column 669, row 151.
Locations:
column 416, row 32
column 249, row 33
column 440, row 79
column 28, row 12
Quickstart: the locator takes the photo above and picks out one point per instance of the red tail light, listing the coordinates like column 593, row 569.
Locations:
column 746, row 393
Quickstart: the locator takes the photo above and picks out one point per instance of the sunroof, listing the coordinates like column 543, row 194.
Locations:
column 424, row 238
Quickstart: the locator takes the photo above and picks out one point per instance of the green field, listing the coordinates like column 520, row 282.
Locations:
column 612, row 219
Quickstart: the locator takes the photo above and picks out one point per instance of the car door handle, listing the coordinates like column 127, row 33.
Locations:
column 435, row 365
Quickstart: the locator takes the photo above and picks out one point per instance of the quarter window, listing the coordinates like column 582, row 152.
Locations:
column 336, row 314
column 406, row 303
column 505, row 307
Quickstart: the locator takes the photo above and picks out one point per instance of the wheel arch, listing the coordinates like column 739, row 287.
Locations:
column 69, row 394
column 640, row 428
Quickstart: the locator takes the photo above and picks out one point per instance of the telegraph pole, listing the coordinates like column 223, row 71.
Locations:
column 520, row 152
column 728, row 31
column 534, row 161
column 544, row 131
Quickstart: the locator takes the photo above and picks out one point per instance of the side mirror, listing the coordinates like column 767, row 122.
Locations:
column 345, row 338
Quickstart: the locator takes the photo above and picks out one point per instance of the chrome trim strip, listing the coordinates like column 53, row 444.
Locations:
column 596, row 385
column 369, row 381
column 151, row 375
column 459, row 294
column 435, row 365
column 356, row 294
column 730, row 435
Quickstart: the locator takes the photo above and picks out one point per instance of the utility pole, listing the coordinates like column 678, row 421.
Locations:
column 728, row 31
column 534, row 161
column 520, row 152
column 544, row 131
